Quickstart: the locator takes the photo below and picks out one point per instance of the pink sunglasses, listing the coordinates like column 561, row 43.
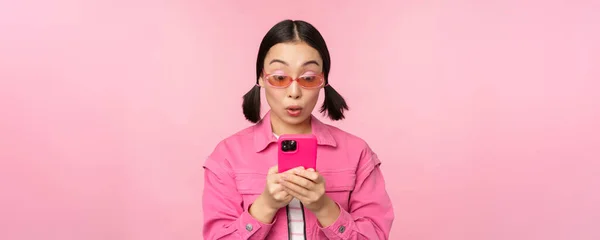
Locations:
column 279, row 80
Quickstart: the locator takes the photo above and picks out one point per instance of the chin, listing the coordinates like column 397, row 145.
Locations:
column 294, row 120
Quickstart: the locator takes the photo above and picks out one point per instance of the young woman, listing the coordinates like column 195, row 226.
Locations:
column 245, row 196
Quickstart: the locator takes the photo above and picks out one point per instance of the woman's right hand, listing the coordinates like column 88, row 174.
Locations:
column 275, row 196
column 272, row 198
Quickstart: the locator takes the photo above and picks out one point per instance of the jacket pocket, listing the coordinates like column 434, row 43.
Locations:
column 250, row 183
column 339, row 186
column 250, row 186
column 339, row 181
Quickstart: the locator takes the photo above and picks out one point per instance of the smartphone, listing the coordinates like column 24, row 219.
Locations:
column 296, row 150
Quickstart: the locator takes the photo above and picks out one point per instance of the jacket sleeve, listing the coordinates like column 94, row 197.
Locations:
column 370, row 213
column 224, row 217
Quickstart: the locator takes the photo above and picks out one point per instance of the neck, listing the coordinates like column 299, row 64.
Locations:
column 280, row 127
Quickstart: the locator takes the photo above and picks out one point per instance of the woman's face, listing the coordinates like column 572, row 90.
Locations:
column 293, row 104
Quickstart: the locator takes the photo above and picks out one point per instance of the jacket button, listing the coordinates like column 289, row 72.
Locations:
column 249, row 227
column 342, row 229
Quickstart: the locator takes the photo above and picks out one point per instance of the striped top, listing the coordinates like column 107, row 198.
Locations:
column 295, row 214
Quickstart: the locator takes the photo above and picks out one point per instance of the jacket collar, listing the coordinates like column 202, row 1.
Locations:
column 263, row 133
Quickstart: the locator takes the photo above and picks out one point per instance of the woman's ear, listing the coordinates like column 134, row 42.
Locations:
column 261, row 82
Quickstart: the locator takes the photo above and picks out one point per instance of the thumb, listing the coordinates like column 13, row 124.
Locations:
column 273, row 170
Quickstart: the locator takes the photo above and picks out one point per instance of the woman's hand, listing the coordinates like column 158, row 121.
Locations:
column 308, row 186
column 272, row 198
column 274, row 194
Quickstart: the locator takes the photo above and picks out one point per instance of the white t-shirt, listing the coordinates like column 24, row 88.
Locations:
column 295, row 216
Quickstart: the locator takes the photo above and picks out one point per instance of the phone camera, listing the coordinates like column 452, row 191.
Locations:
column 289, row 146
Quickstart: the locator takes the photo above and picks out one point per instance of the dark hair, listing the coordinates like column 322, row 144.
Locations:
column 293, row 31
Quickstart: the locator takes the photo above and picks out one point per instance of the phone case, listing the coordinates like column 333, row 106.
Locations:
column 304, row 155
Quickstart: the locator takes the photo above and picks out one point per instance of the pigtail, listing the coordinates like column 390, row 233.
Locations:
column 251, row 104
column 334, row 104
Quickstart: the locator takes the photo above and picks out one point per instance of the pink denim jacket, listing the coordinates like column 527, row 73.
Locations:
column 235, row 175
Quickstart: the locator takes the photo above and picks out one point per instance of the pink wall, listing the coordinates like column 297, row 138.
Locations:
column 486, row 115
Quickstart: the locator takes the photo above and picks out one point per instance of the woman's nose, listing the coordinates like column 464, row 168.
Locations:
column 294, row 90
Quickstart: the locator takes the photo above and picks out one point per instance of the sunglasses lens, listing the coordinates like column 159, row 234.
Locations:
column 310, row 81
column 283, row 81
column 279, row 80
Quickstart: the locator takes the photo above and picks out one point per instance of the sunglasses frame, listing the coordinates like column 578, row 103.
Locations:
column 320, row 75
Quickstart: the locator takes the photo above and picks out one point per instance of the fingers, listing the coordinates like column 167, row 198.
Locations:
column 273, row 170
column 295, row 194
column 298, row 180
column 274, row 181
column 298, row 192
column 309, row 174
column 291, row 171
column 282, row 195
column 276, row 187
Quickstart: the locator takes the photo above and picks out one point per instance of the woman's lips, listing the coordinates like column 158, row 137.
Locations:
column 294, row 111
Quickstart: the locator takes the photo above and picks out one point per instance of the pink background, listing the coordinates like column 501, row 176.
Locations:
column 486, row 114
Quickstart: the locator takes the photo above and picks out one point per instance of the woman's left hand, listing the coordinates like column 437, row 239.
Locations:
column 308, row 186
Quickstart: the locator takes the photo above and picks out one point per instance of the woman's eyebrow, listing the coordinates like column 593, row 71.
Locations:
column 311, row 62
column 278, row 61
column 284, row 63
